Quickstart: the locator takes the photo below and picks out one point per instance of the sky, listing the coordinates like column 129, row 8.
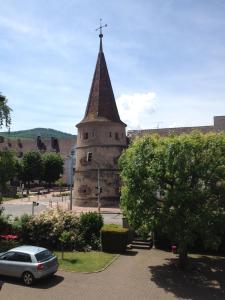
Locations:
column 166, row 60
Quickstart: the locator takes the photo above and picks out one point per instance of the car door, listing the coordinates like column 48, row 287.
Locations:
column 7, row 263
column 22, row 262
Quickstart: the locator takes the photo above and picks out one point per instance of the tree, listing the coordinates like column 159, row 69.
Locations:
column 53, row 167
column 19, row 170
column 32, row 166
column 6, row 157
column 64, row 238
column 7, row 169
column 5, row 119
column 177, row 184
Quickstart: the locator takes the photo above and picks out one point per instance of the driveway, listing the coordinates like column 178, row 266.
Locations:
column 146, row 274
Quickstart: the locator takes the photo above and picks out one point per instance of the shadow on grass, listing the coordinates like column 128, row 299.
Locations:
column 43, row 283
column 69, row 260
column 203, row 279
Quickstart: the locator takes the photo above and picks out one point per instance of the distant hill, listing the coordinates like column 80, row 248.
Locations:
column 44, row 133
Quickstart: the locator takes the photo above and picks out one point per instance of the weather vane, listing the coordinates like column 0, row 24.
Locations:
column 100, row 28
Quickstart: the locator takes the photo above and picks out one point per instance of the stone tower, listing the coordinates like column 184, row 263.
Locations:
column 101, row 139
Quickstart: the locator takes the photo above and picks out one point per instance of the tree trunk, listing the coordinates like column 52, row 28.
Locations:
column 28, row 188
column 183, row 258
column 49, row 186
column 62, row 251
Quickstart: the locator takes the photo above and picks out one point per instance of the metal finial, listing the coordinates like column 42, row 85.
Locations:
column 100, row 28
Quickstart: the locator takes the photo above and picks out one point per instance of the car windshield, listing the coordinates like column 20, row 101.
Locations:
column 43, row 255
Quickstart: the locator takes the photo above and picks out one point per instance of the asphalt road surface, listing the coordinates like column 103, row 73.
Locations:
column 18, row 209
column 137, row 275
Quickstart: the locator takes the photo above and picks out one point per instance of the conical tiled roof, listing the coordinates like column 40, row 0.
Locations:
column 101, row 104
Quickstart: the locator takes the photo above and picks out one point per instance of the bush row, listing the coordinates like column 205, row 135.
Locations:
column 49, row 229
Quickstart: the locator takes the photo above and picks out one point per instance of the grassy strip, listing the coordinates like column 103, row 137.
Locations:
column 84, row 261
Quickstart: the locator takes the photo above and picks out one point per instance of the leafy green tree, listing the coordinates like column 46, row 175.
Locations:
column 5, row 119
column 19, row 170
column 64, row 238
column 53, row 167
column 32, row 166
column 177, row 184
column 7, row 169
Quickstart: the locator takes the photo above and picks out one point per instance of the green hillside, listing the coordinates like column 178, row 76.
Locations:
column 45, row 133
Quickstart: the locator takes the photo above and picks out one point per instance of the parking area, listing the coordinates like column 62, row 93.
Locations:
column 142, row 274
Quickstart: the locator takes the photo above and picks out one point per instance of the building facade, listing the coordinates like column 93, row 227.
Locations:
column 218, row 126
column 63, row 147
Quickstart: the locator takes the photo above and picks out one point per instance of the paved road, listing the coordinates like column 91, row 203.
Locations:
column 17, row 210
column 19, row 207
column 142, row 275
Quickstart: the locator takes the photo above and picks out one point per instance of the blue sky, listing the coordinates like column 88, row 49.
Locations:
column 166, row 60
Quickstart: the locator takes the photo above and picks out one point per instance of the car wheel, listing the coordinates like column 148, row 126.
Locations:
column 28, row 278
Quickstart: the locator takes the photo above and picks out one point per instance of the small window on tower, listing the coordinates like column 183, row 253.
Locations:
column 89, row 156
column 116, row 135
column 85, row 135
column 110, row 134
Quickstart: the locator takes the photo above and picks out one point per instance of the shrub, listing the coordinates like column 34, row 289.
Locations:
column 90, row 226
column 46, row 228
column 114, row 238
column 19, row 224
column 7, row 245
column 66, row 239
column 5, row 224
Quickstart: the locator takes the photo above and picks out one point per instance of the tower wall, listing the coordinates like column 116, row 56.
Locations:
column 105, row 140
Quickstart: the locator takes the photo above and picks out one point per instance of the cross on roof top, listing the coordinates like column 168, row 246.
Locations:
column 100, row 28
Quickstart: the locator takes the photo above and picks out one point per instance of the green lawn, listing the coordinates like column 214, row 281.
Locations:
column 84, row 261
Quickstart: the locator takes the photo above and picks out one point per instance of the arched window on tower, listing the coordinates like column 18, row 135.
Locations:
column 85, row 135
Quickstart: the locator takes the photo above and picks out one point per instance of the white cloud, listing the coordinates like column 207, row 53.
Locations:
column 133, row 107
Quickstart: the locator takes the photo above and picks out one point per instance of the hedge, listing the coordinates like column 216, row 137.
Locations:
column 114, row 238
column 46, row 229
